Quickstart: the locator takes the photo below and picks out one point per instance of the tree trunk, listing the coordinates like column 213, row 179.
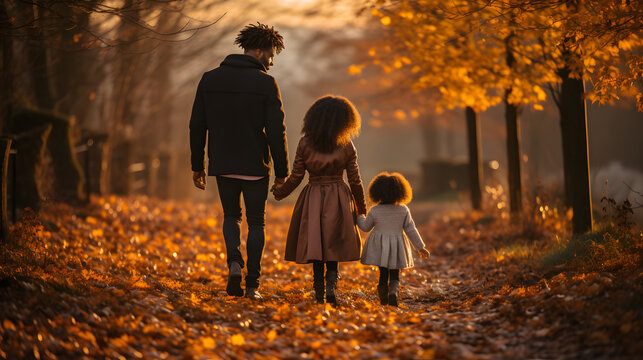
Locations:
column 513, row 142
column 513, row 156
column 565, row 133
column 7, row 89
column 573, row 118
column 125, row 102
column 158, row 125
column 39, row 67
column 130, row 71
column 475, row 162
column 72, row 64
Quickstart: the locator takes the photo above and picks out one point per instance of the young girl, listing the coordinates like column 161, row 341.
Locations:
column 387, row 247
column 322, row 229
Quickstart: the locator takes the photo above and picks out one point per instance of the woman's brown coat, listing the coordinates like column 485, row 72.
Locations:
column 323, row 226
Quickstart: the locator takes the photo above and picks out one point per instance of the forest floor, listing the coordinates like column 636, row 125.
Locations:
column 127, row 278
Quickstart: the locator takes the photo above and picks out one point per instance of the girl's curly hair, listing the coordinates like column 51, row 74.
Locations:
column 391, row 188
column 260, row 36
column 331, row 122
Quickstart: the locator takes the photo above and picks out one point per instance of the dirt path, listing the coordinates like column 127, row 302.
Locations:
column 138, row 278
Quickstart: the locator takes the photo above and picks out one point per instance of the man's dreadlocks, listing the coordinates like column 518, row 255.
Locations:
column 260, row 36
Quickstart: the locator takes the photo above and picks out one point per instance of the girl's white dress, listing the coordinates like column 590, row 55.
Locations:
column 387, row 245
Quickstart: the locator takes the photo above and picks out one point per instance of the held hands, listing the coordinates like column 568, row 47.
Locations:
column 198, row 177
column 278, row 182
column 424, row 253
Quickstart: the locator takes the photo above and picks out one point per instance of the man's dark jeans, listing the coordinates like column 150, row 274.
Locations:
column 255, row 193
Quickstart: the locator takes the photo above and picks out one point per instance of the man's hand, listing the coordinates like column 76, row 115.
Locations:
column 424, row 253
column 278, row 181
column 199, row 179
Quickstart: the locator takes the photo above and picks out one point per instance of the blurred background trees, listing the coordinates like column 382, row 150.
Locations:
column 121, row 76
column 104, row 71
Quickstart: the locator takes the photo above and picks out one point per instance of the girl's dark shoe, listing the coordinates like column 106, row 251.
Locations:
column 382, row 291
column 393, row 292
column 331, row 284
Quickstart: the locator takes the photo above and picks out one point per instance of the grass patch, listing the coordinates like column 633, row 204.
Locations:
column 516, row 250
column 607, row 249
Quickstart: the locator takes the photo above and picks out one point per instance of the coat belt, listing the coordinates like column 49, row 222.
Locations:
column 325, row 179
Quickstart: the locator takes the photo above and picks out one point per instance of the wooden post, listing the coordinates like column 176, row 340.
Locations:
column 475, row 161
column 121, row 178
column 14, row 180
column 88, row 187
column 151, row 175
column 5, row 148
column 164, row 175
column 96, row 164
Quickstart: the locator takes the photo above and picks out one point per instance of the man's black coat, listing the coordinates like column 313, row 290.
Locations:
column 238, row 105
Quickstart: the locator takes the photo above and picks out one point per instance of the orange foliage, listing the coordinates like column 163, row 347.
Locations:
column 462, row 48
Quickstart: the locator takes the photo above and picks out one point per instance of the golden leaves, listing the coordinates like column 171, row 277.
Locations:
column 8, row 325
column 400, row 115
column 355, row 69
column 109, row 306
column 237, row 340
column 540, row 94
column 208, row 343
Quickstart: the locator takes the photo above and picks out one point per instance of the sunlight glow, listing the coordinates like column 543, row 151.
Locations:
column 302, row 2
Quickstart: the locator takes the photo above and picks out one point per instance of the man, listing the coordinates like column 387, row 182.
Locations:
column 238, row 107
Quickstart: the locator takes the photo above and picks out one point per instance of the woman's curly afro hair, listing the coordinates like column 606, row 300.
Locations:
column 260, row 36
column 391, row 188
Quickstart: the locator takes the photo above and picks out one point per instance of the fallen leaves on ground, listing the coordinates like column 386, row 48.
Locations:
column 142, row 278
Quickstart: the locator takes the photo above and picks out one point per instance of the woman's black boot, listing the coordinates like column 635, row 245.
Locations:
column 318, row 282
column 331, row 285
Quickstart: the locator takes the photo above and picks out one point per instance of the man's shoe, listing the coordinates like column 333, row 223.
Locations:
column 234, row 280
column 253, row 294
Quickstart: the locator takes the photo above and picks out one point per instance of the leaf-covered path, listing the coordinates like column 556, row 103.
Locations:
column 141, row 278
